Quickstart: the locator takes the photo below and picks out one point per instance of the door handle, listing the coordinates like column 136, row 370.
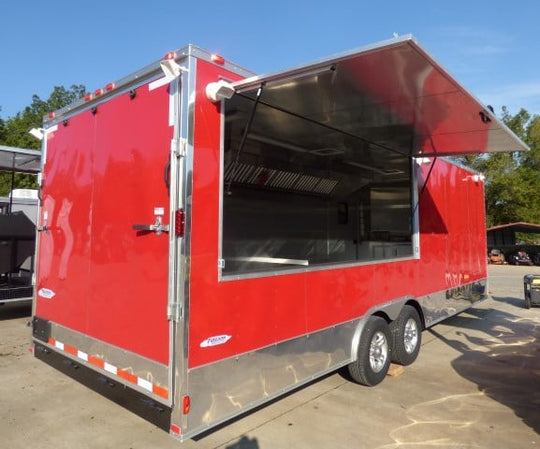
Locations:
column 158, row 227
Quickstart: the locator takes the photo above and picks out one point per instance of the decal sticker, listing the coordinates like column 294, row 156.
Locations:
column 215, row 341
column 46, row 293
column 158, row 83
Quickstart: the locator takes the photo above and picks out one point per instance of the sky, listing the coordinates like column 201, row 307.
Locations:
column 491, row 47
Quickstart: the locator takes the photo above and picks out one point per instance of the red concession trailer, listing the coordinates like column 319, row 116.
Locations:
column 211, row 239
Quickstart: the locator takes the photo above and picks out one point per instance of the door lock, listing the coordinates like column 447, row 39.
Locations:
column 158, row 227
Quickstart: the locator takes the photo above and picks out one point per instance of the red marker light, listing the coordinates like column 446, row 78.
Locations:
column 179, row 223
column 87, row 97
column 98, row 92
column 217, row 59
column 51, row 114
column 186, row 405
column 171, row 55
column 110, row 87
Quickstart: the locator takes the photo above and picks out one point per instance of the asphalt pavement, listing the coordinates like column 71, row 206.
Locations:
column 475, row 384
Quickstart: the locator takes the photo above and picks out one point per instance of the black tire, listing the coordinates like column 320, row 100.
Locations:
column 527, row 301
column 373, row 353
column 406, row 333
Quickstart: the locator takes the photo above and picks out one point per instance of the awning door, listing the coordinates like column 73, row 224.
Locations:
column 391, row 95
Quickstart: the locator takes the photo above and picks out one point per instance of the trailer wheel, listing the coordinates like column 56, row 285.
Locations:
column 527, row 301
column 406, row 336
column 373, row 353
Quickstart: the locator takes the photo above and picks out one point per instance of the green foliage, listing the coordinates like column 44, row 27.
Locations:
column 2, row 128
column 14, row 130
column 513, row 179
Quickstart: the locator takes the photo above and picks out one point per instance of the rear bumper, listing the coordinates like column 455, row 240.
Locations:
column 134, row 401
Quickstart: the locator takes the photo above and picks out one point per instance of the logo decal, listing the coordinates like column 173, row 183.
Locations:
column 46, row 293
column 215, row 341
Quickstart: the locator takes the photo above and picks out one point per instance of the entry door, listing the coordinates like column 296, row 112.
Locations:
column 129, row 272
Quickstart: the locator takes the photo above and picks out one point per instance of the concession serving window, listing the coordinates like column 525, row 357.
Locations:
column 318, row 161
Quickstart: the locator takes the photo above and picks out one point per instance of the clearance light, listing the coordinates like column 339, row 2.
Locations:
column 179, row 223
column 217, row 59
column 51, row 114
column 87, row 97
column 186, row 405
column 110, row 87
column 98, row 92
column 175, row 429
column 170, row 55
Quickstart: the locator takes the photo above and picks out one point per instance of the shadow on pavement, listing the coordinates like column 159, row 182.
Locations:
column 245, row 443
column 505, row 361
column 516, row 302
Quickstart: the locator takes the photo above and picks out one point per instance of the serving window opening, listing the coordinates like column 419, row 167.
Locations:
column 298, row 192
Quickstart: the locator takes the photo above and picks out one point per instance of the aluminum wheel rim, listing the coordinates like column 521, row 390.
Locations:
column 410, row 336
column 378, row 352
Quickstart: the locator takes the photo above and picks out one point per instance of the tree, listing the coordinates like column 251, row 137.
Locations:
column 527, row 127
column 14, row 130
column 512, row 179
column 2, row 127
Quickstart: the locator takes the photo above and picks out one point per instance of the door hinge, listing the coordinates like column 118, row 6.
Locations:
column 221, row 263
column 178, row 147
column 174, row 311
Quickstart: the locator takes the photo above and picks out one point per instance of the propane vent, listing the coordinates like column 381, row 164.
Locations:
column 278, row 179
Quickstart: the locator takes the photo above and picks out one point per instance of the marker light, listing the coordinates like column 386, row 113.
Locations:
column 98, row 92
column 51, row 114
column 217, row 59
column 87, row 97
column 170, row 55
column 179, row 223
column 186, row 404
column 110, row 87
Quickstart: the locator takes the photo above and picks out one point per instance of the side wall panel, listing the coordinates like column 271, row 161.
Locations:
column 452, row 226
column 254, row 313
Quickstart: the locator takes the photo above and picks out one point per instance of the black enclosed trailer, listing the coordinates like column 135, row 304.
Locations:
column 18, row 213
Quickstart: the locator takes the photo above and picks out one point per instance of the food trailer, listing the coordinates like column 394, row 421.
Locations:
column 211, row 239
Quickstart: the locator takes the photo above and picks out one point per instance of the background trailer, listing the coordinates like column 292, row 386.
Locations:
column 18, row 215
column 211, row 239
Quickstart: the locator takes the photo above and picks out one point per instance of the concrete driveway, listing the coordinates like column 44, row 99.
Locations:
column 476, row 384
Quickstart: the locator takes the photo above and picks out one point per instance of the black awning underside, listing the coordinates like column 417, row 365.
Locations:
column 19, row 160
